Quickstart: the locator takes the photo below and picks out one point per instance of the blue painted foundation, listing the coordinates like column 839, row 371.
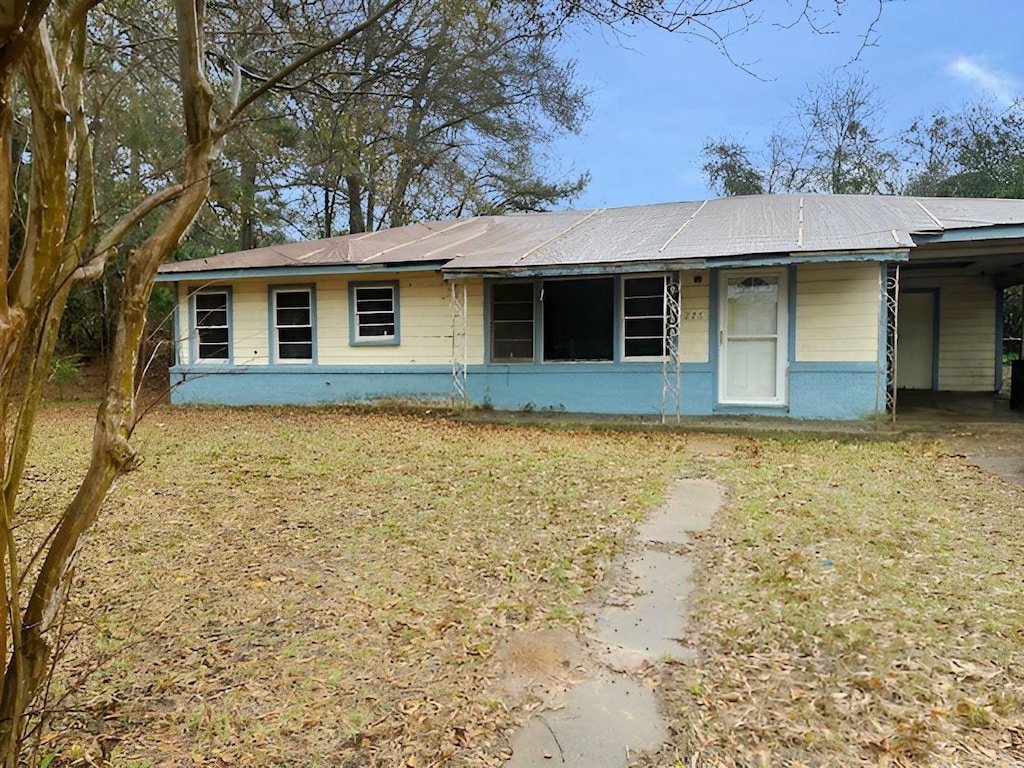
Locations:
column 817, row 390
column 306, row 385
column 634, row 388
column 834, row 390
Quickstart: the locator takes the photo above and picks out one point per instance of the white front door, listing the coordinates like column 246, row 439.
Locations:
column 915, row 345
column 752, row 338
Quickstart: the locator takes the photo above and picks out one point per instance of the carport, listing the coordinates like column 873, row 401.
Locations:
column 945, row 318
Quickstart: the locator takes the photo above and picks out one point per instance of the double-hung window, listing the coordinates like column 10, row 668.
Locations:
column 643, row 316
column 373, row 317
column 292, row 320
column 210, row 320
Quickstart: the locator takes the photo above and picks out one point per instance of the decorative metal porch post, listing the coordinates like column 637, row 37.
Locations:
column 460, row 344
column 892, row 303
column 671, row 380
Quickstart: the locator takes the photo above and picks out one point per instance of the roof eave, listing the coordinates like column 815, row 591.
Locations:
column 251, row 273
column 722, row 262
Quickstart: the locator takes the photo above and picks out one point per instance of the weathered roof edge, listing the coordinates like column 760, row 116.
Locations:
column 679, row 234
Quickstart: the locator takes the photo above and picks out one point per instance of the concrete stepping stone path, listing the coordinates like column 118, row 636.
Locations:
column 609, row 715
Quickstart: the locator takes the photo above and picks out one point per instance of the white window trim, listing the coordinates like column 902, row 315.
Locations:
column 622, row 317
column 194, row 325
column 356, row 338
column 275, row 328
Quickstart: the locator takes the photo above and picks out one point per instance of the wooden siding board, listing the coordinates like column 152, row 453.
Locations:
column 693, row 332
column 837, row 313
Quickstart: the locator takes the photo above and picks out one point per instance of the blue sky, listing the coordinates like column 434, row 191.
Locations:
column 657, row 97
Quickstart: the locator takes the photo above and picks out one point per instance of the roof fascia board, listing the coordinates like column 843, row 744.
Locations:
column 995, row 232
column 276, row 272
column 665, row 266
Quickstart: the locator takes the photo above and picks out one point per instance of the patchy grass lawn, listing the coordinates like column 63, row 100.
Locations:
column 861, row 605
column 326, row 587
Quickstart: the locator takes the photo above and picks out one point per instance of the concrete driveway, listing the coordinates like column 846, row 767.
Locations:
column 980, row 427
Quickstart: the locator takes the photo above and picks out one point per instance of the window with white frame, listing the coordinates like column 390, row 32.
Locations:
column 374, row 314
column 643, row 316
column 210, row 320
column 293, row 324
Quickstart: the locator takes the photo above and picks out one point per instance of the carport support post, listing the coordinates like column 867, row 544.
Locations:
column 885, row 384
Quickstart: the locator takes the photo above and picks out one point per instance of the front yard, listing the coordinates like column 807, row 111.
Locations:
column 328, row 587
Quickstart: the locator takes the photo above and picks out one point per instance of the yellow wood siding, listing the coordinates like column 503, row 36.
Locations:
column 250, row 344
column 425, row 321
column 967, row 337
column 837, row 308
column 695, row 306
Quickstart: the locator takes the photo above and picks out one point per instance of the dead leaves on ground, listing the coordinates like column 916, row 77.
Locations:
column 320, row 587
column 857, row 608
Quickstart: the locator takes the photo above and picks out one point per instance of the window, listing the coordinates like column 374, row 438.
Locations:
column 373, row 315
column 210, row 319
column 579, row 319
column 293, row 324
column 512, row 322
column 643, row 316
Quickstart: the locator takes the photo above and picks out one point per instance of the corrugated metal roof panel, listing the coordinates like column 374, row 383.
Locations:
column 728, row 227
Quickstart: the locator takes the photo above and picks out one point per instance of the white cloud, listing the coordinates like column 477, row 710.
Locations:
column 1000, row 85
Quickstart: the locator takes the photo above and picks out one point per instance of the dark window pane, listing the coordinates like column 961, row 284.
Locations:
column 292, row 299
column 213, row 335
column 295, row 351
column 285, row 335
column 520, row 330
column 512, row 292
column 213, row 344
column 645, row 347
column 293, row 317
column 381, row 329
column 522, row 310
column 512, row 350
column 644, row 286
column 651, row 306
column 211, row 317
column 373, row 294
column 648, row 326
column 374, row 306
column 578, row 319
column 211, row 301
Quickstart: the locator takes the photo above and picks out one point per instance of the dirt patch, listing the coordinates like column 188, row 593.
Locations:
column 535, row 669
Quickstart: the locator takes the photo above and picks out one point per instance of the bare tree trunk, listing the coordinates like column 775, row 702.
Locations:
column 111, row 452
column 356, row 222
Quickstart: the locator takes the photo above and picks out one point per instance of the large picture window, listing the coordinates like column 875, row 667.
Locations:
column 643, row 316
column 512, row 322
column 579, row 319
column 293, row 324
column 210, row 320
column 374, row 313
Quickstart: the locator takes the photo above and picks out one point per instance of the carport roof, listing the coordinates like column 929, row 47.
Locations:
column 687, row 233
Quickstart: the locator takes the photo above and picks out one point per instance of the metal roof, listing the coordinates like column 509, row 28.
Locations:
column 736, row 227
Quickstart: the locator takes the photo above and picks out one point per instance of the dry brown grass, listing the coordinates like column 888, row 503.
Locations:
column 860, row 605
column 326, row 587
column 282, row 587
